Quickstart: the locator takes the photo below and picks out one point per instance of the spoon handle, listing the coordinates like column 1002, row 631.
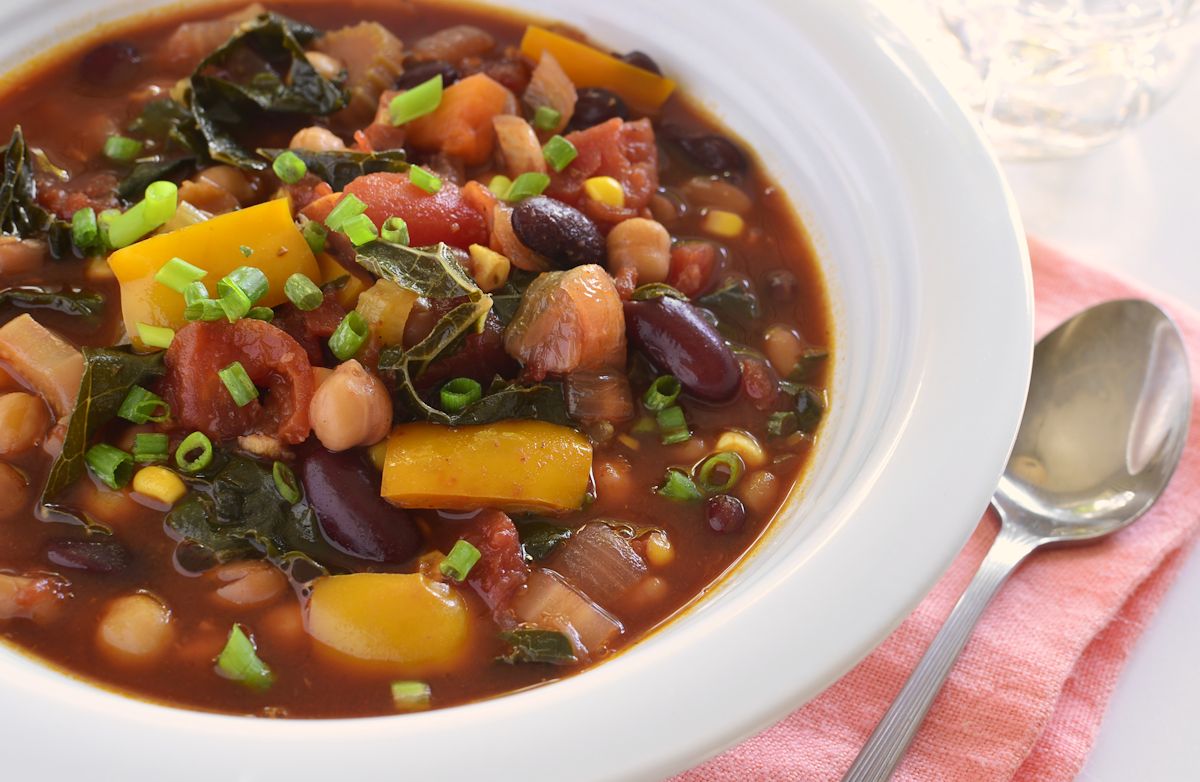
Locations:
column 891, row 737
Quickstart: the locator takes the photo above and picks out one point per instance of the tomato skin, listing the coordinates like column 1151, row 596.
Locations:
column 200, row 401
column 444, row 216
column 625, row 151
column 501, row 570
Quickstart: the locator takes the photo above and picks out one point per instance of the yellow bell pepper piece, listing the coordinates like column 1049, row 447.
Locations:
column 589, row 67
column 397, row 623
column 215, row 245
column 512, row 465
column 332, row 270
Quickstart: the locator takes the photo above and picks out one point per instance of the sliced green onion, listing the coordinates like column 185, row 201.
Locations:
column 360, row 230
column 289, row 167
column 141, row 406
column 348, row 207
column 314, row 233
column 349, row 336
column 303, row 292
column 678, row 486
column 85, row 232
column 416, row 102
column 177, row 274
column 458, row 563
column 644, row 425
column 194, row 453
column 500, row 185
column 662, row 393
column 235, row 303
column 725, row 463
column 265, row 314
column 111, row 465
column 411, row 696
column 155, row 208
column 245, row 250
column 121, row 148
column 155, row 336
column 395, row 230
column 672, row 425
column 559, row 153
column 426, row 180
column 531, row 183
column 203, row 309
column 150, row 448
column 194, row 292
column 104, row 223
column 285, row 482
column 239, row 290
column 239, row 661
column 459, row 393
column 238, row 383
column 782, row 424
column 546, row 118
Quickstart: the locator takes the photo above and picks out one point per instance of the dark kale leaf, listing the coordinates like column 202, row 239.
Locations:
column 539, row 537
column 433, row 272
column 734, row 296
column 810, row 360
column 531, row 645
column 507, row 299
column 234, row 510
column 261, row 70
column 108, row 374
column 340, row 167
column 133, row 186
column 20, row 213
column 70, row 301
column 506, row 401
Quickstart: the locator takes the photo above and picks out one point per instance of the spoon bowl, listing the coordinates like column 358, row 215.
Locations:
column 1104, row 426
column 1105, row 422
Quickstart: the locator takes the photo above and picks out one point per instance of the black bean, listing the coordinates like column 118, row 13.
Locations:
column 562, row 233
column 725, row 513
column 344, row 493
column 596, row 105
column 678, row 340
column 712, row 153
column 96, row 556
column 422, row 72
column 641, row 60
column 110, row 65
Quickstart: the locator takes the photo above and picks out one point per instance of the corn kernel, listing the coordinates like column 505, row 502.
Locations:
column 159, row 483
column 629, row 442
column 606, row 190
column 489, row 268
column 744, row 445
column 659, row 552
column 726, row 225
column 378, row 454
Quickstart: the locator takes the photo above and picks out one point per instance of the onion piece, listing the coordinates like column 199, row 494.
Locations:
column 44, row 360
column 550, row 86
column 551, row 603
column 598, row 396
column 518, row 145
column 505, row 241
column 600, row 562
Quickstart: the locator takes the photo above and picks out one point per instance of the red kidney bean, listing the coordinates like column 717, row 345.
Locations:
column 96, row 556
column 560, row 232
column 344, row 493
column 421, row 72
column 679, row 341
column 725, row 513
column 110, row 65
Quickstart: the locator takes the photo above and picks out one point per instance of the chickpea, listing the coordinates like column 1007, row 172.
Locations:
column 716, row 193
column 783, row 347
column 24, row 419
column 614, row 479
column 248, row 584
column 39, row 598
column 316, row 139
column 114, row 508
column 231, row 180
column 352, row 407
column 136, row 630
column 283, row 624
column 760, row 491
column 328, row 67
column 14, row 491
column 643, row 245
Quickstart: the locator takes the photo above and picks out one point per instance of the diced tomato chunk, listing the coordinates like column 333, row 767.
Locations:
column 692, row 266
column 444, row 216
column 625, row 151
column 273, row 360
column 311, row 329
column 501, row 570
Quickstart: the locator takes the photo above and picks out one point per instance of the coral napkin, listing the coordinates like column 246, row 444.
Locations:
column 1027, row 696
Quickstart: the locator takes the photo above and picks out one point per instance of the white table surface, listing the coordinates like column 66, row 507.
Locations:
column 1134, row 207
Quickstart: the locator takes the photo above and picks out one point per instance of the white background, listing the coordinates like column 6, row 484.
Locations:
column 1134, row 207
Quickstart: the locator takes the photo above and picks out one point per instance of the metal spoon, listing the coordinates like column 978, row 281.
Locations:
column 1104, row 426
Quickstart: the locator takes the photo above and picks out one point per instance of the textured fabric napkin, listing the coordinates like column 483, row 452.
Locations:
column 1026, row 698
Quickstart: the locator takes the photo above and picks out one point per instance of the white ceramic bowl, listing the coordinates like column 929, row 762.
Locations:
column 928, row 273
